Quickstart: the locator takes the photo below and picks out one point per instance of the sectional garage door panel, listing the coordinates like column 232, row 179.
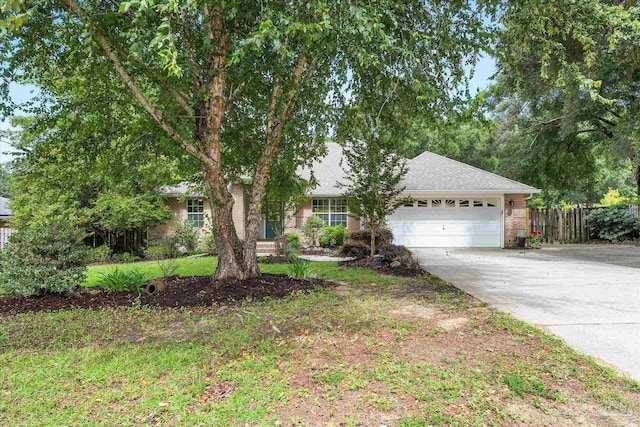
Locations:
column 447, row 227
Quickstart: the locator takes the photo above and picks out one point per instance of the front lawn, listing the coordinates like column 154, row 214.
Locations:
column 374, row 350
column 205, row 266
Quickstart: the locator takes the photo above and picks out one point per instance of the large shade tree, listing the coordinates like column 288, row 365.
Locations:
column 571, row 71
column 238, row 84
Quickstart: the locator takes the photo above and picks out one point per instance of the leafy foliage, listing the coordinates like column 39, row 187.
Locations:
column 100, row 253
column 613, row 224
column 534, row 240
column 372, row 186
column 185, row 236
column 293, row 241
column 274, row 73
column 126, row 257
column 312, row 229
column 6, row 181
column 121, row 281
column 168, row 266
column 45, row 258
column 333, row 236
column 299, row 267
column 613, row 198
column 573, row 69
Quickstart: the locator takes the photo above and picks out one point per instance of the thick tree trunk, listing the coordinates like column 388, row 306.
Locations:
column 373, row 240
column 228, row 245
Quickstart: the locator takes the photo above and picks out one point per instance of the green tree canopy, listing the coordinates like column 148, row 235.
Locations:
column 238, row 84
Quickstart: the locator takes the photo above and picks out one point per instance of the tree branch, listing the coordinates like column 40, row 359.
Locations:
column 73, row 7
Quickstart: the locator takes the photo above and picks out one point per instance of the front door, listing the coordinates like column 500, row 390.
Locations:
column 273, row 219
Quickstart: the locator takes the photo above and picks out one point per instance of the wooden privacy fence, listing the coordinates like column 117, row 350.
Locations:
column 557, row 225
column 4, row 235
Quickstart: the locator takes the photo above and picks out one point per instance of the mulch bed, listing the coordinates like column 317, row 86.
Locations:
column 377, row 264
column 273, row 259
column 180, row 292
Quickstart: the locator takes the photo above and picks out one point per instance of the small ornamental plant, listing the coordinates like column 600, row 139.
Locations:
column 534, row 240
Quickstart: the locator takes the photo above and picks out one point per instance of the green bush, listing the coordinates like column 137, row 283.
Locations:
column 48, row 257
column 100, row 253
column 355, row 249
column 185, row 236
column 299, row 267
column 210, row 244
column 312, row 228
column 613, row 224
column 124, row 257
column 156, row 252
column 333, row 236
column 118, row 280
column 168, row 267
column 384, row 237
column 293, row 241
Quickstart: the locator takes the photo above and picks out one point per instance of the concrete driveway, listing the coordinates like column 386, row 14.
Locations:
column 589, row 295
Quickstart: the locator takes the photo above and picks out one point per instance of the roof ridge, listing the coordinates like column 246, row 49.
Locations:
column 474, row 167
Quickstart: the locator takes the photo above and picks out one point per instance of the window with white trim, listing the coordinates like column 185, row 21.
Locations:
column 331, row 211
column 195, row 212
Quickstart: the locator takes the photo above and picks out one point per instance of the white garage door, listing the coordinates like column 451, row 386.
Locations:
column 453, row 223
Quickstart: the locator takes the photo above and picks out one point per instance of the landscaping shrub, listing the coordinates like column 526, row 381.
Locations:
column 294, row 242
column 155, row 252
column 168, row 267
column 312, row 228
column 384, row 237
column 299, row 267
column 100, row 253
column 119, row 280
column 397, row 256
column 355, row 249
column 185, row 236
column 210, row 244
column 333, row 236
column 48, row 257
column 613, row 224
column 124, row 257
column 534, row 240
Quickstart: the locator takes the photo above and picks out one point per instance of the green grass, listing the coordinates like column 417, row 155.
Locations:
column 205, row 266
column 334, row 357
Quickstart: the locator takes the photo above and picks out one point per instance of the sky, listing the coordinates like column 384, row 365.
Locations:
column 485, row 68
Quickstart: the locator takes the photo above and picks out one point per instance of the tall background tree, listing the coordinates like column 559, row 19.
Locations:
column 570, row 77
column 236, row 84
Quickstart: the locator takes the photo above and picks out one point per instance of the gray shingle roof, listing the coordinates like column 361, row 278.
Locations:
column 182, row 189
column 327, row 172
column 428, row 172
column 434, row 173
column 4, row 207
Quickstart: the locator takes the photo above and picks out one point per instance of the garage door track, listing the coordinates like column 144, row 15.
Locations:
column 589, row 295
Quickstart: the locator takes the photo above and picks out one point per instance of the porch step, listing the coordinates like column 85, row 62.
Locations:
column 266, row 247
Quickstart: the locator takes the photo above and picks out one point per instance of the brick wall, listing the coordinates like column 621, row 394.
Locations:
column 178, row 207
column 295, row 220
column 515, row 217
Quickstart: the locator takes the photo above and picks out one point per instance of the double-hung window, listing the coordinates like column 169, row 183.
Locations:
column 195, row 211
column 331, row 211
